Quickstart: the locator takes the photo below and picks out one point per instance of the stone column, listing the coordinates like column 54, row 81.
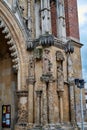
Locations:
column 22, row 110
column 71, row 88
column 38, row 107
column 60, row 94
column 31, row 102
column 72, row 103
column 50, row 102
column 45, row 115
column 70, row 50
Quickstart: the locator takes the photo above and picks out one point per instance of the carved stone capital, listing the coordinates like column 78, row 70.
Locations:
column 38, row 92
column 69, row 47
column 71, row 82
column 60, row 92
column 30, row 80
column 22, row 93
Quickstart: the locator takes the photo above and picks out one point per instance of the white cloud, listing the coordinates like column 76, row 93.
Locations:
column 82, row 14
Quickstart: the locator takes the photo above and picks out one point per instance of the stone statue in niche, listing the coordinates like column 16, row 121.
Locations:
column 61, row 8
column 15, row 5
column 46, row 62
column 60, row 77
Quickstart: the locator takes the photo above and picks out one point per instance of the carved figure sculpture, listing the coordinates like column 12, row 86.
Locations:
column 61, row 8
column 15, row 5
column 60, row 77
column 46, row 62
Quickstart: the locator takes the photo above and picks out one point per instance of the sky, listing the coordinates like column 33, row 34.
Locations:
column 82, row 15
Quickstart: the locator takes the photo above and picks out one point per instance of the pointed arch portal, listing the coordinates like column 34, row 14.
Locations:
column 12, row 59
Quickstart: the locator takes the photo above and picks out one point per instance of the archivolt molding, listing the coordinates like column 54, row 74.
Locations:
column 16, row 42
column 11, row 44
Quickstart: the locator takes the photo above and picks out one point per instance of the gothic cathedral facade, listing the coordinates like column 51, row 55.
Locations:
column 39, row 59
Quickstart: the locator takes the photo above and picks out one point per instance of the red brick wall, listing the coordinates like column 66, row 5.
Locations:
column 53, row 18
column 71, row 17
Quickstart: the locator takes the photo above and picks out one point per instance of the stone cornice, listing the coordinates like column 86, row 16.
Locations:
column 75, row 42
column 49, row 40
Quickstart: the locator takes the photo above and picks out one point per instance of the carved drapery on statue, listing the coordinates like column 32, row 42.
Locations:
column 60, row 77
column 47, row 65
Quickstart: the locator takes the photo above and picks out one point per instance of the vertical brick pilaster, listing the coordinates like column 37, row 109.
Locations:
column 53, row 18
column 71, row 18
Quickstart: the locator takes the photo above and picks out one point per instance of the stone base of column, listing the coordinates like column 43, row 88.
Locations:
column 21, row 127
column 52, row 127
column 58, row 126
column 30, row 126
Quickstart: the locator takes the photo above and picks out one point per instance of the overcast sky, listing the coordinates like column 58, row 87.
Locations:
column 82, row 13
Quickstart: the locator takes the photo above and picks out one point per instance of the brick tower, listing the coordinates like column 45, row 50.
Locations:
column 39, row 60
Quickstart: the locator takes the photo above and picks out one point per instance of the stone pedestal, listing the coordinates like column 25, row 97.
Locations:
column 22, row 110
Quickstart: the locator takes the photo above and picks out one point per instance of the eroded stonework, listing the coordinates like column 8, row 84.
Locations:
column 40, row 81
